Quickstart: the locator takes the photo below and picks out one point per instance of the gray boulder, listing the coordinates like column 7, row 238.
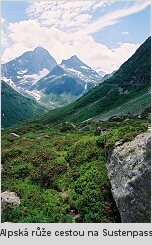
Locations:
column 129, row 171
column 85, row 128
column 9, row 198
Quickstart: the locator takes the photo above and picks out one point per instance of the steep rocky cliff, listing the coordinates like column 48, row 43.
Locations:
column 129, row 170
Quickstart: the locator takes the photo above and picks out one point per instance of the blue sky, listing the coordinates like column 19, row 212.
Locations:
column 103, row 34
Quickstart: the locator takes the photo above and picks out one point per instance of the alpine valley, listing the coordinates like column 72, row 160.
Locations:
column 82, row 153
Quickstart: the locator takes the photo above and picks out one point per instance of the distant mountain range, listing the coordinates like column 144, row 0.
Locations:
column 37, row 74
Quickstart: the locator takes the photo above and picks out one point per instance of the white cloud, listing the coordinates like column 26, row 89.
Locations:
column 26, row 35
column 73, row 15
column 100, row 57
column 2, row 20
column 115, row 16
column 125, row 33
column 100, row 4
column 4, row 41
column 63, row 45
column 70, row 14
column 13, row 51
column 64, row 28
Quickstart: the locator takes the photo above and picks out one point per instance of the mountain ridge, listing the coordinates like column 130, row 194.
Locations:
column 33, row 74
column 69, row 70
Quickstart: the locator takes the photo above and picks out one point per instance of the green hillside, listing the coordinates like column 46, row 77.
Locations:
column 15, row 107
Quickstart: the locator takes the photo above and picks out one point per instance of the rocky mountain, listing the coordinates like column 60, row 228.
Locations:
column 67, row 82
column 126, row 94
column 36, row 74
column 15, row 107
column 81, row 70
column 25, row 70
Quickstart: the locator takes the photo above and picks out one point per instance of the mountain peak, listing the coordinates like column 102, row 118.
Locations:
column 29, row 63
column 40, row 49
column 74, row 57
column 74, row 61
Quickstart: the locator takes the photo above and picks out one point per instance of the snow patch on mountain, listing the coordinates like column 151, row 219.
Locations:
column 36, row 74
column 85, row 88
column 44, row 72
column 23, row 91
column 78, row 73
column 8, row 81
column 36, row 94
column 85, row 67
column 29, row 80
column 90, row 77
column 21, row 72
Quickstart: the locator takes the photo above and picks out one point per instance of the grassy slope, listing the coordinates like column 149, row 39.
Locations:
column 15, row 107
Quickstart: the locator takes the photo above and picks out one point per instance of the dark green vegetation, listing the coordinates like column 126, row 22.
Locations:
column 74, row 172
column 15, row 107
column 128, row 88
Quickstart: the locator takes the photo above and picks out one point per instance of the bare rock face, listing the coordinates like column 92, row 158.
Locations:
column 129, row 170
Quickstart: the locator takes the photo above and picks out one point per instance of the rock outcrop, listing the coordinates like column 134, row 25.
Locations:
column 129, row 171
column 9, row 198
